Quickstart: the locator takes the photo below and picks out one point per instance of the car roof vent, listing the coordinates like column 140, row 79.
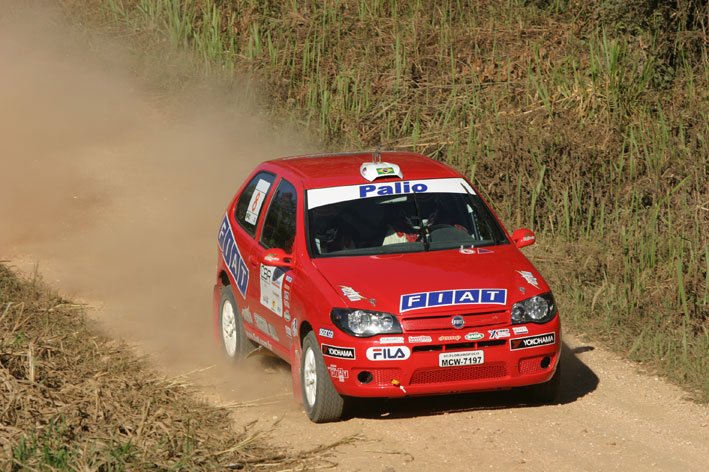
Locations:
column 377, row 169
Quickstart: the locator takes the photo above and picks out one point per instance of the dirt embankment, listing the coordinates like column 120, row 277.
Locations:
column 117, row 202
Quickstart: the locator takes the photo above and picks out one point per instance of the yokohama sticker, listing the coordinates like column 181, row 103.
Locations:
column 339, row 352
column 532, row 341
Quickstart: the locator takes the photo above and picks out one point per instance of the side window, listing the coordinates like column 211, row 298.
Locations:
column 279, row 227
column 248, row 208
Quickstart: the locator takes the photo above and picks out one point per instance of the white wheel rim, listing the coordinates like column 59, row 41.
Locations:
column 229, row 328
column 310, row 377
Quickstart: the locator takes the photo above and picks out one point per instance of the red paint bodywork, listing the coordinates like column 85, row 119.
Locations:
column 314, row 291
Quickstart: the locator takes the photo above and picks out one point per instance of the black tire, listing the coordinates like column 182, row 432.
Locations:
column 234, row 342
column 546, row 393
column 322, row 402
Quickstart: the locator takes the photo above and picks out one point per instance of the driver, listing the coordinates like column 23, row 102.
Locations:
column 409, row 227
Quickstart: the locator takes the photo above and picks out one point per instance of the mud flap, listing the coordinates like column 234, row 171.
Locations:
column 295, row 353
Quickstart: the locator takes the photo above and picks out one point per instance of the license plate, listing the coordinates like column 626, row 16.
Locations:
column 455, row 359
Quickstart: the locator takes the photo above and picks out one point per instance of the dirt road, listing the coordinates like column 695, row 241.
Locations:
column 114, row 192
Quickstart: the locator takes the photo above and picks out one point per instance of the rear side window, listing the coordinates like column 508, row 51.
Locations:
column 250, row 203
column 279, row 227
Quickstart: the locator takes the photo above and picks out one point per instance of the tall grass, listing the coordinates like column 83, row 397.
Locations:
column 580, row 130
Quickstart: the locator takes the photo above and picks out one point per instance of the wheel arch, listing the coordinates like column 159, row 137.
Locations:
column 304, row 329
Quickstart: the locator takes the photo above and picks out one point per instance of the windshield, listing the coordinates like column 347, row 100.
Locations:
column 410, row 222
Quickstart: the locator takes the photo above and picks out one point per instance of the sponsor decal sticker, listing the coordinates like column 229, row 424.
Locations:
column 259, row 340
column 420, row 339
column 289, row 278
column 449, row 338
column 326, row 333
column 474, row 336
column 289, row 333
column 256, row 201
column 473, row 250
column 261, row 323
column 532, row 341
column 337, row 351
column 338, row 372
column 529, row 277
column 271, row 286
column 286, row 315
column 499, row 333
column 391, row 340
column 385, row 170
column 351, row 294
column 388, row 353
column 471, row 296
column 325, row 196
column 246, row 315
column 232, row 256
column 272, row 331
column 520, row 330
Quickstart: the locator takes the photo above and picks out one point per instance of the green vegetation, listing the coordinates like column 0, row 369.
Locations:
column 586, row 121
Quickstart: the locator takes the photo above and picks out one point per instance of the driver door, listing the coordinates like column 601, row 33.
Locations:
column 278, row 231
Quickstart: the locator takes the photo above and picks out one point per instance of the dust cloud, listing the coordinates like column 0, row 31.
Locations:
column 115, row 192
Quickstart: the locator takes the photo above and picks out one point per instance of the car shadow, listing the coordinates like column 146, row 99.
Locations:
column 577, row 380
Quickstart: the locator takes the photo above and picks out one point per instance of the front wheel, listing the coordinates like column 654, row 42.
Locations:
column 322, row 402
column 234, row 341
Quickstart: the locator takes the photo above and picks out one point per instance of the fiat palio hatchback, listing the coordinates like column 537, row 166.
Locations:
column 381, row 275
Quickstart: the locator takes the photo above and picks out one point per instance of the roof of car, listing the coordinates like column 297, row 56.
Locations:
column 330, row 170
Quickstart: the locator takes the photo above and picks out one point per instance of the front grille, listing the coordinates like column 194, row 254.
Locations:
column 492, row 370
column 440, row 322
column 458, row 346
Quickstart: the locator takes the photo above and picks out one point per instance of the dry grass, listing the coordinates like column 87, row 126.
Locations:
column 71, row 399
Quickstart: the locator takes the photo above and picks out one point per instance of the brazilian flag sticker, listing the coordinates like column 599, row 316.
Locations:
column 385, row 170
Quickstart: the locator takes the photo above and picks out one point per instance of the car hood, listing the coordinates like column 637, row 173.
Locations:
column 401, row 283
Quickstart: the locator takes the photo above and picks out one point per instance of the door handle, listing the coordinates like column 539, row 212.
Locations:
column 253, row 260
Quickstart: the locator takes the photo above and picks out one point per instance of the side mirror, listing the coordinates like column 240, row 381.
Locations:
column 523, row 237
column 276, row 257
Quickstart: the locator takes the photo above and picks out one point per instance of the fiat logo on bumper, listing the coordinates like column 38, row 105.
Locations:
column 458, row 322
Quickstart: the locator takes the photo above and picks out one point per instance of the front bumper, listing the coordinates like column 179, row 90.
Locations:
column 508, row 362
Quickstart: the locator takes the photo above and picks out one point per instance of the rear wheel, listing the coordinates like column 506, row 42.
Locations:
column 548, row 392
column 234, row 341
column 321, row 400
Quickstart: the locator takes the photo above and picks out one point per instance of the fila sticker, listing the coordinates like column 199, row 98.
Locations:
column 388, row 353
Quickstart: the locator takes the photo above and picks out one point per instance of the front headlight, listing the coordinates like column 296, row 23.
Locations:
column 363, row 323
column 538, row 309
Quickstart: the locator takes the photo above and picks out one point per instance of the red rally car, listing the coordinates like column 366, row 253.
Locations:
column 381, row 275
